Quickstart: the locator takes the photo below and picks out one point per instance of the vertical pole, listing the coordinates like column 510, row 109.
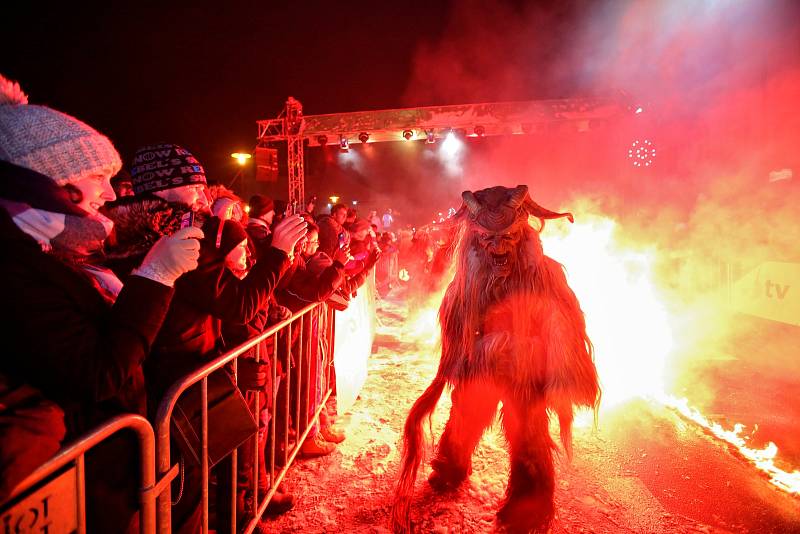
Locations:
column 81, row 497
column 286, row 412
column 299, row 389
column 257, row 404
column 204, row 460
column 273, row 408
column 234, row 460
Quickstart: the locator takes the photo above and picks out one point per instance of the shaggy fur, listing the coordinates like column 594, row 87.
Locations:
column 140, row 221
column 520, row 339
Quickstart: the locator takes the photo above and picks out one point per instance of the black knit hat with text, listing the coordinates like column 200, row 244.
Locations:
column 159, row 167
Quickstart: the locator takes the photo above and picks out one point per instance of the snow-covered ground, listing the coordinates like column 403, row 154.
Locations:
column 351, row 490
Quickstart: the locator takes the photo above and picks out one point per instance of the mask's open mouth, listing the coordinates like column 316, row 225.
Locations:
column 500, row 260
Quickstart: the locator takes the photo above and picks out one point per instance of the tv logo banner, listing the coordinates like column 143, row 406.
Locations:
column 770, row 291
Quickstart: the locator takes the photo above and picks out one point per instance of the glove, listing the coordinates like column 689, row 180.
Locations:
column 288, row 232
column 278, row 313
column 252, row 375
column 172, row 256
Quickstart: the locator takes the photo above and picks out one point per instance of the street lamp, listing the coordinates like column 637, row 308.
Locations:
column 241, row 157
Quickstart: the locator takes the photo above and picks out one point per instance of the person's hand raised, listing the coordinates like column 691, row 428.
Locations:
column 342, row 255
column 288, row 232
column 172, row 256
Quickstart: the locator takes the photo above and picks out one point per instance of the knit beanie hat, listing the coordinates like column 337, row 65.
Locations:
column 260, row 204
column 160, row 167
column 50, row 142
column 233, row 233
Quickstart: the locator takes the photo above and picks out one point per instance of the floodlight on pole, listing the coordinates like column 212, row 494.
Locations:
column 241, row 157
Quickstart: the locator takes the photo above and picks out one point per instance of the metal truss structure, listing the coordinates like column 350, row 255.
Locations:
column 430, row 123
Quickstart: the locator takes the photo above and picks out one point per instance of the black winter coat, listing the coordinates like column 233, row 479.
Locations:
column 62, row 337
column 191, row 333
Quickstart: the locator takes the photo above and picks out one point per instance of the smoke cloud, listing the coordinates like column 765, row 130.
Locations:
column 719, row 86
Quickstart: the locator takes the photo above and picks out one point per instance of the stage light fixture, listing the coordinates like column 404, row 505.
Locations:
column 480, row 131
column 408, row 135
column 642, row 153
column 430, row 137
column 451, row 144
column 363, row 137
column 322, row 140
column 344, row 144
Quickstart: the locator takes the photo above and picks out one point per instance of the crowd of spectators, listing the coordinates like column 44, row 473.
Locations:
column 120, row 282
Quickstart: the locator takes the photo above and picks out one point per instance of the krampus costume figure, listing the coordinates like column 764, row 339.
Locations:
column 512, row 331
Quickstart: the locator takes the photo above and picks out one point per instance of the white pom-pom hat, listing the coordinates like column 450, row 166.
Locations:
column 50, row 142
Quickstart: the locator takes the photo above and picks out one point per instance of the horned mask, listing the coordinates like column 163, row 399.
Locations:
column 498, row 214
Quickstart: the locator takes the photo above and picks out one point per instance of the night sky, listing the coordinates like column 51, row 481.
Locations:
column 201, row 73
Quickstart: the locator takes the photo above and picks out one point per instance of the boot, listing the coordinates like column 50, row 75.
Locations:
column 331, row 434
column 316, row 446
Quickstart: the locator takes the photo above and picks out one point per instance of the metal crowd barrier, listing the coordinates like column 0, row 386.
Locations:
column 314, row 324
column 53, row 497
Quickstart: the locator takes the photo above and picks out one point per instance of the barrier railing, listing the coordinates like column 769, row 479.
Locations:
column 53, row 497
column 303, row 345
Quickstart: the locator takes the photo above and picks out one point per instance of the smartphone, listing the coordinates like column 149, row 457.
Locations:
column 187, row 219
column 342, row 241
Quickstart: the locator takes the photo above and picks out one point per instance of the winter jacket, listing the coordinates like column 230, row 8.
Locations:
column 329, row 231
column 305, row 287
column 63, row 338
column 320, row 261
column 191, row 333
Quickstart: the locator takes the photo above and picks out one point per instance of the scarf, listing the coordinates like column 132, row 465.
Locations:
column 74, row 238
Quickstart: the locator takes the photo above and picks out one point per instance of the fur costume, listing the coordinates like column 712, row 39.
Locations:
column 512, row 331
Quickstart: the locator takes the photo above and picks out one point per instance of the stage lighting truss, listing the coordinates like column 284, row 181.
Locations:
column 344, row 144
column 642, row 153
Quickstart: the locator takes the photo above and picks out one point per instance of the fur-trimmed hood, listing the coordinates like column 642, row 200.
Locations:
column 139, row 222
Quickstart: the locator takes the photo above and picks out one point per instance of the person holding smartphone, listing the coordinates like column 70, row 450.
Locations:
column 76, row 332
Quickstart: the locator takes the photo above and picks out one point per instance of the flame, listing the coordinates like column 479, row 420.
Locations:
column 628, row 322
column 764, row 459
column 630, row 328
column 625, row 318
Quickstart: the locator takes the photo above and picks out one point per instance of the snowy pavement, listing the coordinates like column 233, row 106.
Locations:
column 644, row 470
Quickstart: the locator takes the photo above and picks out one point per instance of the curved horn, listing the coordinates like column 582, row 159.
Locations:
column 472, row 203
column 537, row 211
column 517, row 196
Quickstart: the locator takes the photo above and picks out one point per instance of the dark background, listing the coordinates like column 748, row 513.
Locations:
column 719, row 82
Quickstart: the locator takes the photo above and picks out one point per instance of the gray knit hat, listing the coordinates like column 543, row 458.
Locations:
column 50, row 142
